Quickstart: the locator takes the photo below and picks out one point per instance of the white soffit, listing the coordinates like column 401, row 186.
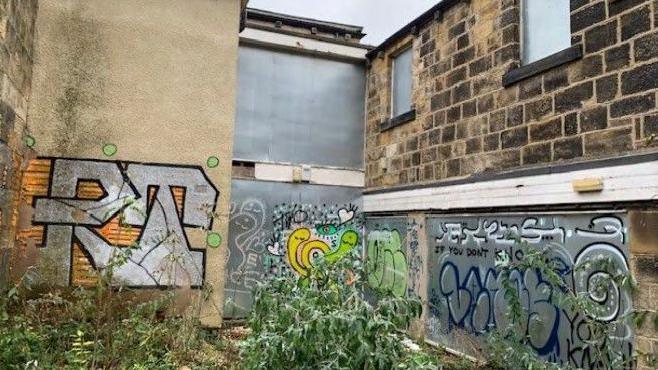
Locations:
column 302, row 43
column 319, row 175
column 624, row 183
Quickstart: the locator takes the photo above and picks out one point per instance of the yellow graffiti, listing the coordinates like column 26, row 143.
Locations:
column 300, row 250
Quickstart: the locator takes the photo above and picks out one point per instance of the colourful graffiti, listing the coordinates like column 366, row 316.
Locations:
column 386, row 261
column 301, row 250
column 283, row 240
column 308, row 232
column 464, row 288
column 88, row 212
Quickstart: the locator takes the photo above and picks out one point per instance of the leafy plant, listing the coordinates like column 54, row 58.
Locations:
column 102, row 327
column 326, row 322
column 507, row 345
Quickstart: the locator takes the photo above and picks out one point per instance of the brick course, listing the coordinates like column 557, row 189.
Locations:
column 601, row 105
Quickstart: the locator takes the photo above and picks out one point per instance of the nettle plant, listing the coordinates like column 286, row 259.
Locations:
column 508, row 345
column 326, row 322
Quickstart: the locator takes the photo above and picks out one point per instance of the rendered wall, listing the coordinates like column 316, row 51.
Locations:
column 132, row 120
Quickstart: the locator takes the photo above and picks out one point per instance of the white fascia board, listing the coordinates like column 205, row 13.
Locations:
column 283, row 172
column 625, row 183
column 303, row 43
column 337, row 177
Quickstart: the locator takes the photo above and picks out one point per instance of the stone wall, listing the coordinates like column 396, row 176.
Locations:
column 601, row 105
column 17, row 20
column 644, row 266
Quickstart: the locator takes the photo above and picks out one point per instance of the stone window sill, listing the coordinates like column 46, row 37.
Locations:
column 567, row 55
column 397, row 121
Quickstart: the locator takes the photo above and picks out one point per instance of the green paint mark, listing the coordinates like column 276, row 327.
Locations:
column 348, row 241
column 212, row 162
column 109, row 150
column 214, row 240
column 388, row 264
column 326, row 229
column 29, row 141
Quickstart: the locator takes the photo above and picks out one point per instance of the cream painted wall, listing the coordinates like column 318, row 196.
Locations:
column 157, row 78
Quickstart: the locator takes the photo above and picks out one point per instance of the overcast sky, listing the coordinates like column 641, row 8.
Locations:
column 380, row 18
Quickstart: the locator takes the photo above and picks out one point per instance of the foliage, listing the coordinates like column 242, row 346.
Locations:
column 101, row 328
column 327, row 322
column 507, row 346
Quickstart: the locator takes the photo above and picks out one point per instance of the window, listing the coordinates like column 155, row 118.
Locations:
column 546, row 28
column 401, row 86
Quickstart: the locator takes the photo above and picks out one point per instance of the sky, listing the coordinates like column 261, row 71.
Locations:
column 380, row 18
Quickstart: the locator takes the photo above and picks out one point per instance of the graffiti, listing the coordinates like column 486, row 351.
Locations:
column 29, row 141
column 387, row 261
column 212, row 162
column 415, row 259
column 110, row 150
column 308, row 232
column 386, row 254
column 465, row 294
column 248, row 236
column 267, row 241
column 87, row 212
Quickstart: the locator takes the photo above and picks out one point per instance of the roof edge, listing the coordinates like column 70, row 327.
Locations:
column 325, row 26
column 428, row 16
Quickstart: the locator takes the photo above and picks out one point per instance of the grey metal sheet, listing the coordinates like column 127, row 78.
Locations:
column 299, row 109
column 263, row 216
column 464, row 289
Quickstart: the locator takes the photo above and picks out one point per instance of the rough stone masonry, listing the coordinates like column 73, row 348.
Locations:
column 17, row 19
column 471, row 119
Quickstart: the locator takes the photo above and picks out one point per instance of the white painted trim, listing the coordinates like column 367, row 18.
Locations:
column 303, row 43
column 273, row 172
column 319, row 175
column 636, row 182
column 328, row 176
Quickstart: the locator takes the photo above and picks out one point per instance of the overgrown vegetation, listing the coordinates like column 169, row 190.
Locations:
column 506, row 345
column 326, row 322
column 330, row 320
column 102, row 328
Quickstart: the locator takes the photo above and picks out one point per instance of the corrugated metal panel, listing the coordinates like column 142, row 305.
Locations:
column 299, row 109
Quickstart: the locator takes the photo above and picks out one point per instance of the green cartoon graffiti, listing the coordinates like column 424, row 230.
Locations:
column 388, row 264
column 348, row 241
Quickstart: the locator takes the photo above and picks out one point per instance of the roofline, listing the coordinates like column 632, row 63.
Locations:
column 433, row 13
column 327, row 39
column 324, row 26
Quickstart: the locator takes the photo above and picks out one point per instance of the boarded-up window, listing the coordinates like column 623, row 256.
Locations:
column 546, row 28
column 297, row 108
column 401, row 87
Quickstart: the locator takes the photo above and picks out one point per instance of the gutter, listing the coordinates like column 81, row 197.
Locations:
column 433, row 14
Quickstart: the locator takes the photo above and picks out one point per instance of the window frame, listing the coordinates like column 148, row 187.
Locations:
column 405, row 48
column 522, row 36
column 525, row 71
